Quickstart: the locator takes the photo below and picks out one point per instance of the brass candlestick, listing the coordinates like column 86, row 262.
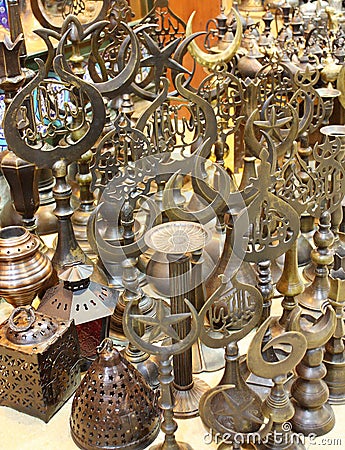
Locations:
column 231, row 312
column 277, row 405
column 164, row 326
column 177, row 240
column 130, row 281
column 328, row 96
column 313, row 415
column 334, row 358
column 87, row 204
column 265, row 222
column 317, row 292
column 290, row 285
column 32, row 143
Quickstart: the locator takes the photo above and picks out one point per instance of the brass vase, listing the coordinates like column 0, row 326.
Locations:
column 24, row 269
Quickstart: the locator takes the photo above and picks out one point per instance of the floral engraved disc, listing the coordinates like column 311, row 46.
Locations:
column 177, row 237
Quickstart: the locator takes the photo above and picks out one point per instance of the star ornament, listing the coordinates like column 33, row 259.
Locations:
column 160, row 59
column 162, row 323
column 238, row 411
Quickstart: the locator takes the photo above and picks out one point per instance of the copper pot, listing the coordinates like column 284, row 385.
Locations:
column 24, row 269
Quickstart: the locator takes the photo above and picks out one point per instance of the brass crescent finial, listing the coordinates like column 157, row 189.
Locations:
column 210, row 60
column 317, row 333
column 262, row 368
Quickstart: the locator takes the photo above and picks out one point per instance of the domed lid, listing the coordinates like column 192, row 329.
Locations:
column 26, row 326
column 16, row 242
column 113, row 407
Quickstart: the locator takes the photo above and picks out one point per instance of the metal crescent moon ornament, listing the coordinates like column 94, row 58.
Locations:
column 316, row 333
column 46, row 157
column 270, row 370
column 210, row 60
column 178, row 57
column 117, row 85
column 163, row 322
column 203, row 216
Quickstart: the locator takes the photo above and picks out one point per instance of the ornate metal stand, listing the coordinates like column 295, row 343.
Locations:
column 178, row 240
column 309, row 392
column 316, row 293
column 131, row 290
column 146, row 306
column 334, row 357
column 31, row 142
column 257, row 218
column 81, row 215
column 277, row 405
column 232, row 311
column 163, row 325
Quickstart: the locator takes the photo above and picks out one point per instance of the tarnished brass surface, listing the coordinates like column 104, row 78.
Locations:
column 229, row 314
column 24, row 269
column 178, row 240
column 163, row 324
column 277, row 405
column 334, row 357
column 113, row 407
column 317, row 292
column 210, row 60
column 290, row 285
column 309, row 392
column 39, row 362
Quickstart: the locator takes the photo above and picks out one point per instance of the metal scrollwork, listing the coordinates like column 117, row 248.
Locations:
column 224, row 92
column 114, row 79
column 276, row 126
column 118, row 147
column 277, row 80
column 168, row 131
column 232, row 312
column 298, row 185
column 305, row 81
column 31, row 129
column 330, row 174
column 169, row 25
column 162, row 325
column 273, row 224
column 210, row 60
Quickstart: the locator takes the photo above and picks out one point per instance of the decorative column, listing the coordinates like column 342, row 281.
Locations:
column 178, row 240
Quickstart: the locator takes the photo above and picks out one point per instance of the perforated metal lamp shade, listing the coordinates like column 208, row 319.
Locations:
column 88, row 303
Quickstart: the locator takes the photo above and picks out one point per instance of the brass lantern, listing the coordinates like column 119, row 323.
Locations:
column 90, row 304
column 39, row 362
